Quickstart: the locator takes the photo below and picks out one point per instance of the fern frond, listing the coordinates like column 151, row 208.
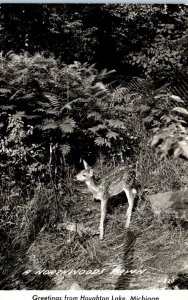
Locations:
column 49, row 124
column 116, row 124
column 100, row 141
column 65, row 149
column 7, row 107
column 95, row 115
column 4, row 92
column 53, row 100
column 112, row 134
column 68, row 125
column 97, row 128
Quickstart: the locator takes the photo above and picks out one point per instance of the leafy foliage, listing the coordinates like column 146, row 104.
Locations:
column 64, row 109
column 172, row 135
column 165, row 51
column 147, row 40
column 169, row 124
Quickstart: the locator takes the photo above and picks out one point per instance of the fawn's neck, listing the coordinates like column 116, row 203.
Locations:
column 92, row 187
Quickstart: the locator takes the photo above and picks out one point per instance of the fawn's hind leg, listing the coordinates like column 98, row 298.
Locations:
column 130, row 198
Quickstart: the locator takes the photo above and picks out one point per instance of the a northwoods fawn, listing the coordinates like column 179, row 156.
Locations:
column 118, row 180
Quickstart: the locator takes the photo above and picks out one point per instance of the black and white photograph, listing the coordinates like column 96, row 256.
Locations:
column 93, row 146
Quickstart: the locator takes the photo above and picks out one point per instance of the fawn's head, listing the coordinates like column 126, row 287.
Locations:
column 85, row 174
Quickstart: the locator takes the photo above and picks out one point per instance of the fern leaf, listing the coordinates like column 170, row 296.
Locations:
column 100, row 141
column 29, row 96
column 105, row 72
column 144, row 108
column 53, row 100
column 96, row 116
column 68, row 125
column 44, row 105
column 176, row 98
column 7, row 107
column 116, row 124
column 4, row 91
column 19, row 115
column 65, row 149
column 180, row 110
column 49, row 124
column 67, row 106
column 41, row 111
column 97, row 128
column 148, row 119
column 112, row 134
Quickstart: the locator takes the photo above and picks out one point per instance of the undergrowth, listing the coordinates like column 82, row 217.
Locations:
column 152, row 243
column 160, row 175
column 35, row 237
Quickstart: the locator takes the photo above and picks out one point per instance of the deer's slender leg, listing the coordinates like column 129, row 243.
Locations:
column 103, row 214
column 130, row 198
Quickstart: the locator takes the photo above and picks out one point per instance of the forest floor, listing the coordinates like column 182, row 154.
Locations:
column 151, row 254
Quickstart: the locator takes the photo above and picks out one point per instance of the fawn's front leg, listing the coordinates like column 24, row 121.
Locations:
column 130, row 198
column 103, row 214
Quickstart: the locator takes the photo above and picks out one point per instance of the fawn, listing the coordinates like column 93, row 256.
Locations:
column 112, row 184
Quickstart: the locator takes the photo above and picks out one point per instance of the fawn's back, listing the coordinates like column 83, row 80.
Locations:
column 117, row 178
column 111, row 184
column 115, row 181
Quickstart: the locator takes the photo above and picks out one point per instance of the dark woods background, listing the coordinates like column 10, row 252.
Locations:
column 117, row 36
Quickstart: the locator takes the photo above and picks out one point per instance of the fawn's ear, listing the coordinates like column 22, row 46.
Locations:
column 85, row 164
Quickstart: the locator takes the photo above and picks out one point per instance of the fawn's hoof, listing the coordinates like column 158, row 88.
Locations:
column 101, row 235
